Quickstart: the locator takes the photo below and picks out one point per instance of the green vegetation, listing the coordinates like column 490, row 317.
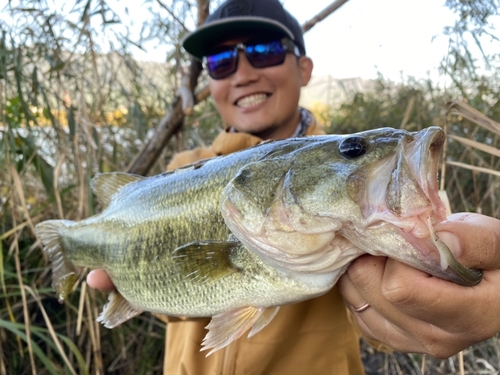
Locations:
column 68, row 110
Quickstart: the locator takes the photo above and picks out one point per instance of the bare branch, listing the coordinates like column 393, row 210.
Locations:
column 308, row 25
column 173, row 15
column 172, row 122
column 459, row 107
column 203, row 11
column 168, row 126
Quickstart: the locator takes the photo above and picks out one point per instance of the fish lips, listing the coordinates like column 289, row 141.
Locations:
column 412, row 191
column 413, row 185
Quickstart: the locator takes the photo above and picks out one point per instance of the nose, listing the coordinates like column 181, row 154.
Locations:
column 245, row 72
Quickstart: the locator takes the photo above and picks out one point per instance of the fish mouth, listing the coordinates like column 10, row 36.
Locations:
column 387, row 204
column 412, row 197
column 412, row 189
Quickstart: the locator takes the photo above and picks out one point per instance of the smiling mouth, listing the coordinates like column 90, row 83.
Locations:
column 251, row 100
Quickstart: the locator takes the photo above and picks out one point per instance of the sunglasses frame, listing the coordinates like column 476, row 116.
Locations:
column 287, row 44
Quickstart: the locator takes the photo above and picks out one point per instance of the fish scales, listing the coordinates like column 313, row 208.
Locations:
column 135, row 246
column 168, row 222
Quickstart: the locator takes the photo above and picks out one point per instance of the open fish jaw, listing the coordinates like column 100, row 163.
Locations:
column 412, row 207
column 383, row 203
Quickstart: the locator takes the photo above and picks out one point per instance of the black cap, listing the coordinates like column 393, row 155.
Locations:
column 236, row 17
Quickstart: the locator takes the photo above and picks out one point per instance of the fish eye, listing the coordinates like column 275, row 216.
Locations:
column 353, row 147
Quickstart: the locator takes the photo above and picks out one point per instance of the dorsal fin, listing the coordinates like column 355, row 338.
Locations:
column 105, row 185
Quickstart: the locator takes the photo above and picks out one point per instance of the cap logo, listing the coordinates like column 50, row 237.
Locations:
column 236, row 8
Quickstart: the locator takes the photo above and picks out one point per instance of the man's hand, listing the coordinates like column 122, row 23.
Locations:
column 413, row 312
column 99, row 279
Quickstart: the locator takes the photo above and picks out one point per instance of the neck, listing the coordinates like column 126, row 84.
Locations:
column 282, row 131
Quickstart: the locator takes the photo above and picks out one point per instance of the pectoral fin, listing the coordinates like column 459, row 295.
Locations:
column 206, row 261
column 227, row 327
column 117, row 311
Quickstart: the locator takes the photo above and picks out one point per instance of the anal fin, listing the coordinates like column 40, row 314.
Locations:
column 264, row 319
column 227, row 327
column 117, row 310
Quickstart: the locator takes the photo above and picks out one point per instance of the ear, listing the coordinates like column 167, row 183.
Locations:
column 305, row 69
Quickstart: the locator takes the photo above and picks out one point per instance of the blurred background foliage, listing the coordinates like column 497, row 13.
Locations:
column 74, row 102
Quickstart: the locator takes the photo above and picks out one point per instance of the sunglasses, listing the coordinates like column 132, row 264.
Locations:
column 260, row 55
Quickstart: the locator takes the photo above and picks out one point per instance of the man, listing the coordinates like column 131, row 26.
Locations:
column 255, row 56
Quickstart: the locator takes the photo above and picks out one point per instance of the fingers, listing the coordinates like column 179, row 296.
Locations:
column 99, row 279
column 362, row 283
column 412, row 311
column 449, row 306
column 362, row 275
column 416, row 336
column 474, row 239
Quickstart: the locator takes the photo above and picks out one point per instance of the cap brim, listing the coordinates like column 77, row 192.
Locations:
column 200, row 41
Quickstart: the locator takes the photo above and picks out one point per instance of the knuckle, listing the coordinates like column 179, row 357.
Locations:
column 397, row 291
column 442, row 352
column 361, row 269
column 440, row 345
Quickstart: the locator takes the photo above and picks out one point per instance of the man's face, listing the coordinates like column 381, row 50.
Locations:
column 262, row 101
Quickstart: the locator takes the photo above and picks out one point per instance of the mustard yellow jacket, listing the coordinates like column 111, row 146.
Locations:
column 311, row 337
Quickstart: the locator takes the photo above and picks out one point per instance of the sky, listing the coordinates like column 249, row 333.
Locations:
column 363, row 37
column 398, row 38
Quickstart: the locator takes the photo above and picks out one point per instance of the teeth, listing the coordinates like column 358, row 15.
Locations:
column 249, row 101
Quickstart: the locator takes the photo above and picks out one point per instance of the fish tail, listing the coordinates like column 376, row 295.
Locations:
column 64, row 273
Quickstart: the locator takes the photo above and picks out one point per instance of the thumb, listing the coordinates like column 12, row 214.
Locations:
column 99, row 279
column 474, row 239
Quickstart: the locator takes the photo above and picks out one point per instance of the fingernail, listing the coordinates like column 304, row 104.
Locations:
column 451, row 241
column 90, row 278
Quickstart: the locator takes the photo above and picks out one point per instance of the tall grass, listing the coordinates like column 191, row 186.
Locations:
column 64, row 116
column 68, row 111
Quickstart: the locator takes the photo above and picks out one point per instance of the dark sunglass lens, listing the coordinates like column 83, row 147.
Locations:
column 222, row 64
column 266, row 54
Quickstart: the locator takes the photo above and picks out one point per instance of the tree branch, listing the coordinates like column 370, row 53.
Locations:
column 173, row 15
column 323, row 14
column 173, row 119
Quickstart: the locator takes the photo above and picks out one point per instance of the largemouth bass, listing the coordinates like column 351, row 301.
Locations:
column 235, row 237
